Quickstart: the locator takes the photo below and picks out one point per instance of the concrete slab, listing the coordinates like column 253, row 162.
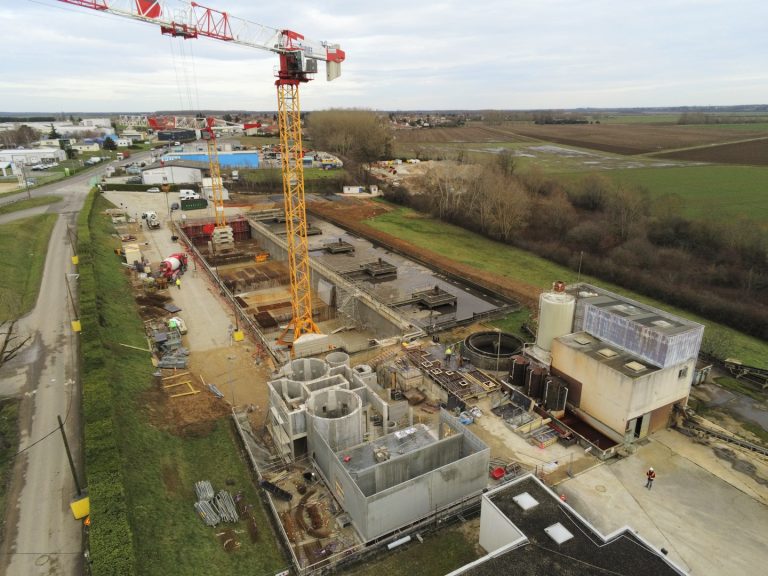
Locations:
column 708, row 525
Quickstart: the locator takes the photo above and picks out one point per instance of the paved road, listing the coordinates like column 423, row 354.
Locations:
column 41, row 537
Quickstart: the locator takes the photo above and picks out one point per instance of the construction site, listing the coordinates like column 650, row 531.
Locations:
column 374, row 400
column 378, row 412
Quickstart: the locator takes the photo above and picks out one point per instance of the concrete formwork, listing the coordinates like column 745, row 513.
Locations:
column 405, row 476
column 337, row 416
column 305, row 384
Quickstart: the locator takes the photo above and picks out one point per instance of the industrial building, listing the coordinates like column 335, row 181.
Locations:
column 527, row 530
column 174, row 172
column 227, row 159
column 616, row 364
column 385, row 472
column 31, row 156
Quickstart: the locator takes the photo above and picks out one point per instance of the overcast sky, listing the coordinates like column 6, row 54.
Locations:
column 401, row 55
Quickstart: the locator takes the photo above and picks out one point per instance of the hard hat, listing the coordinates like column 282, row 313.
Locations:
column 651, row 468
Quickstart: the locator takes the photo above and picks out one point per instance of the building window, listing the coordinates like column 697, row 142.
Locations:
column 683, row 372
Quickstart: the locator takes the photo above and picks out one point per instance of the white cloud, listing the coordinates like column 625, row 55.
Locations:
column 400, row 54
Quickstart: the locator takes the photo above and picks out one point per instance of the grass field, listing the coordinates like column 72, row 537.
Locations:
column 440, row 553
column 9, row 444
column 29, row 203
column 275, row 175
column 463, row 246
column 158, row 468
column 708, row 192
column 24, row 244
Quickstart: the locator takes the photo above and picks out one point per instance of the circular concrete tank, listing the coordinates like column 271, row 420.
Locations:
column 335, row 359
column 305, row 369
column 336, row 415
column 491, row 350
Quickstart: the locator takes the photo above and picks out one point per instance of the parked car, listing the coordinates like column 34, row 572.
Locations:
column 133, row 180
column 153, row 189
column 175, row 206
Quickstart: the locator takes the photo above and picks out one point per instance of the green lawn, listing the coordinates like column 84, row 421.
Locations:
column 464, row 247
column 707, row 191
column 9, row 444
column 439, row 554
column 275, row 174
column 141, row 476
column 259, row 141
column 30, row 203
column 24, row 245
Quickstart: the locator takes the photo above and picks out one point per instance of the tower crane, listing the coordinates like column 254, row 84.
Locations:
column 222, row 236
column 298, row 57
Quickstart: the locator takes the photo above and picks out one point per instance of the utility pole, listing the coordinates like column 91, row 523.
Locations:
column 22, row 165
column 69, row 457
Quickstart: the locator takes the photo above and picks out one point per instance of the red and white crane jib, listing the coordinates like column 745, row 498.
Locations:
column 192, row 20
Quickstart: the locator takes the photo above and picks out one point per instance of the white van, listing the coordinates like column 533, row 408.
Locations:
column 186, row 194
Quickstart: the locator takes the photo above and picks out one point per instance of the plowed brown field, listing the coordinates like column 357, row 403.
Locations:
column 616, row 138
column 754, row 153
column 633, row 138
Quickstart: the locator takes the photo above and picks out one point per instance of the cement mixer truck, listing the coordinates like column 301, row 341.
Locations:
column 173, row 266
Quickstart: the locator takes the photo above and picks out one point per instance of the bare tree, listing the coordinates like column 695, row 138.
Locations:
column 10, row 341
column 359, row 134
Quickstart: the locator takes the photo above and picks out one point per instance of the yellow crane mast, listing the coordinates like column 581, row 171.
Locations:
column 298, row 64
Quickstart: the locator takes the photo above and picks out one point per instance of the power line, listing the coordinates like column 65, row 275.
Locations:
column 47, row 435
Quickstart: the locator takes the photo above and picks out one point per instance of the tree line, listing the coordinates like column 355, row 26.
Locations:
column 614, row 231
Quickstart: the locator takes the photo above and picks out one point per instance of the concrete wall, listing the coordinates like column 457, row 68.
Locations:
column 422, row 490
column 403, row 504
column 337, row 416
column 496, row 530
column 613, row 397
column 366, row 315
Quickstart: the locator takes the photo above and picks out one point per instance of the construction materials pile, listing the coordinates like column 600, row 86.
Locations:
column 214, row 509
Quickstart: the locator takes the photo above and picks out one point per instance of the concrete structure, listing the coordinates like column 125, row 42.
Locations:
column 527, row 530
column 96, row 122
column 175, row 172
column 626, row 364
column 63, row 128
column 120, row 142
column 86, row 147
column 397, row 477
column 134, row 135
column 30, row 156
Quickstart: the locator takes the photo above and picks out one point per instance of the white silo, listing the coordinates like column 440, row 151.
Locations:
column 556, row 311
